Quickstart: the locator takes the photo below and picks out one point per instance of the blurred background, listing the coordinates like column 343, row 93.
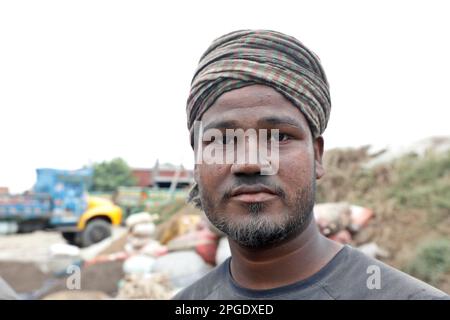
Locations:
column 95, row 159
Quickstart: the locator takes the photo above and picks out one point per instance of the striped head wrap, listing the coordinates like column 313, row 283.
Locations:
column 248, row 57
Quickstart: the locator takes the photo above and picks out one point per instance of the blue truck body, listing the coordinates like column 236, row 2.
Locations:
column 59, row 198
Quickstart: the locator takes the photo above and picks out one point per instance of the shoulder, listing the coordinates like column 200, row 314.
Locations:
column 362, row 277
column 206, row 285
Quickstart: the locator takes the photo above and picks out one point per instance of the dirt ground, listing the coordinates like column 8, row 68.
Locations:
column 30, row 247
column 22, row 264
column 27, row 278
column 401, row 235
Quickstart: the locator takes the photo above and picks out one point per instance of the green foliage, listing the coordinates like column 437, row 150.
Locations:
column 423, row 183
column 410, row 182
column 431, row 262
column 410, row 194
column 109, row 175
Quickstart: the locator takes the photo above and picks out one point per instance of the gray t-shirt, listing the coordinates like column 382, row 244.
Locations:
column 349, row 275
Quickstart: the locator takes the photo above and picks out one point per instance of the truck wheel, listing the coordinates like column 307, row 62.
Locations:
column 72, row 238
column 95, row 231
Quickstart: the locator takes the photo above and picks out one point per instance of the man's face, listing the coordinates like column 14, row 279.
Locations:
column 253, row 209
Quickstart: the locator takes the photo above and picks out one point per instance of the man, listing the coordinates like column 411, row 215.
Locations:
column 265, row 80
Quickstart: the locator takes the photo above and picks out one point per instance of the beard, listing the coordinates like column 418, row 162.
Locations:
column 259, row 228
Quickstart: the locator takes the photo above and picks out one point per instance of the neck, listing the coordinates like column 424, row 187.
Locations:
column 293, row 260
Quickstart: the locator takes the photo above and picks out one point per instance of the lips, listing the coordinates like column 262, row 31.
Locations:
column 253, row 193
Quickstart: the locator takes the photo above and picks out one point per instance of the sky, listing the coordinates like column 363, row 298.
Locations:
column 87, row 81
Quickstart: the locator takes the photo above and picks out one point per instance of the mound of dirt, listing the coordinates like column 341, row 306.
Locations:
column 409, row 196
column 27, row 278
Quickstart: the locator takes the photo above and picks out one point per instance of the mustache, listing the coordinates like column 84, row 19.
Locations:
column 254, row 180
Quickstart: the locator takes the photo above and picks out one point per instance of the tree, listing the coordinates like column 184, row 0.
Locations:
column 109, row 175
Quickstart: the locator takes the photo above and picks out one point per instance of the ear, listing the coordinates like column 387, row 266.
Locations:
column 318, row 153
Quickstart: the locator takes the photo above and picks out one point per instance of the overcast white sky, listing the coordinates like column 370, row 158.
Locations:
column 84, row 81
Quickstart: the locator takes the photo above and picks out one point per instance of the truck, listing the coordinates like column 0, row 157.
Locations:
column 59, row 201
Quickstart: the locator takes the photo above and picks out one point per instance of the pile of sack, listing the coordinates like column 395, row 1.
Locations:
column 157, row 271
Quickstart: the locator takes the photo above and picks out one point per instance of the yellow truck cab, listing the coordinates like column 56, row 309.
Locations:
column 95, row 223
column 59, row 201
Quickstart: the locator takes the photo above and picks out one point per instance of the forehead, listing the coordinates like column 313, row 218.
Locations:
column 248, row 105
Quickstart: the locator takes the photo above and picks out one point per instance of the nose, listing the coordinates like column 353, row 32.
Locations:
column 247, row 160
column 246, row 169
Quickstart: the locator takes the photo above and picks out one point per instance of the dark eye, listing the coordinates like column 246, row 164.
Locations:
column 226, row 139
column 281, row 137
